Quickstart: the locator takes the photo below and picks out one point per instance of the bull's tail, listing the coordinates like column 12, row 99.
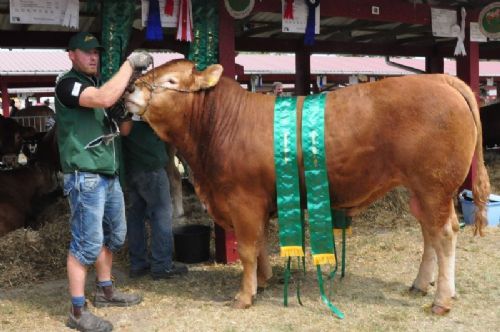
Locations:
column 481, row 182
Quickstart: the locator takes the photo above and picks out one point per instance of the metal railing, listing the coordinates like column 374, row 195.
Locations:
column 38, row 122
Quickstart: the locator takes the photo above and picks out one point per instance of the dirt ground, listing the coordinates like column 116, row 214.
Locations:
column 382, row 260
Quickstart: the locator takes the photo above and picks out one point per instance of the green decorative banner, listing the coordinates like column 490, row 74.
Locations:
column 203, row 50
column 117, row 18
column 290, row 215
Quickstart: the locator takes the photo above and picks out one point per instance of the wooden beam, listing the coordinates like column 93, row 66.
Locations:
column 289, row 46
column 34, row 39
column 29, row 80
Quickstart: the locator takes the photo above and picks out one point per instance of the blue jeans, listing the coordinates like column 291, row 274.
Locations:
column 149, row 198
column 97, row 214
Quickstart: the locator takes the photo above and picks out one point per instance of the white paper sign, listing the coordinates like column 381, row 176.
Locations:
column 476, row 35
column 442, row 21
column 166, row 21
column 299, row 21
column 37, row 11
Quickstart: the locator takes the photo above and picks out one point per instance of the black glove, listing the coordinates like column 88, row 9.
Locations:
column 118, row 112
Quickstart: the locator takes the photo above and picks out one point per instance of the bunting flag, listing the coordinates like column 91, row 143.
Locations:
column 288, row 13
column 185, row 23
column 311, row 22
column 460, row 34
column 154, row 31
column 71, row 14
column 169, row 7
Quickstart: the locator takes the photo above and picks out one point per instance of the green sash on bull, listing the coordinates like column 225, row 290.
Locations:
column 290, row 216
column 318, row 194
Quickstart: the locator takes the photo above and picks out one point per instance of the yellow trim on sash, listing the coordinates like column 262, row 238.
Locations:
column 338, row 231
column 321, row 259
column 292, row 251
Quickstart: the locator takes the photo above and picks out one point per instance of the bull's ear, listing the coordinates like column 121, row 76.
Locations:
column 210, row 76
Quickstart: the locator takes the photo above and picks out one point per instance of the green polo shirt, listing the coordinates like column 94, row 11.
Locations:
column 143, row 150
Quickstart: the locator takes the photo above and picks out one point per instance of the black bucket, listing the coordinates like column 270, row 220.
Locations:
column 192, row 243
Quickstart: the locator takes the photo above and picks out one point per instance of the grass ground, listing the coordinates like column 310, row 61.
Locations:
column 373, row 295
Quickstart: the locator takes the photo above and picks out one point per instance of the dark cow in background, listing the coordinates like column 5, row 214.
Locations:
column 26, row 190
column 12, row 136
column 490, row 119
column 418, row 131
column 20, row 189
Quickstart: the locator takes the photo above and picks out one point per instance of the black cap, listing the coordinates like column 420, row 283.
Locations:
column 84, row 41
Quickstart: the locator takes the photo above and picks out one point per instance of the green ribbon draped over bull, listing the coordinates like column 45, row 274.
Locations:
column 290, row 214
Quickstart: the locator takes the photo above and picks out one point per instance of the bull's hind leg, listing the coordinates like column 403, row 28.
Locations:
column 425, row 276
column 439, row 227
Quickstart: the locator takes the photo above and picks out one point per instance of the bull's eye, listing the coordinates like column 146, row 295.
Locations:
column 171, row 81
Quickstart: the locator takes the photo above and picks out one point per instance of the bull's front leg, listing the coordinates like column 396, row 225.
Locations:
column 248, row 288
column 249, row 227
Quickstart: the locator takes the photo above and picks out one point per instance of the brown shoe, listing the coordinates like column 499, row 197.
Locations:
column 109, row 296
column 85, row 321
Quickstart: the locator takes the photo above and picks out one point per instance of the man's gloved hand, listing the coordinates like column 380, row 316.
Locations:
column 118, row 112
column 140, row 60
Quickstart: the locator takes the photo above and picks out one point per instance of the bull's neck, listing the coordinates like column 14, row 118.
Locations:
column 210, row 127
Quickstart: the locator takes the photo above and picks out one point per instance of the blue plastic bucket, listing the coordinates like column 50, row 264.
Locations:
column 469, row 208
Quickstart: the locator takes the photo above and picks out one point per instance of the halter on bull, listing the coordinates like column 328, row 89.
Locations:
column 420, row 132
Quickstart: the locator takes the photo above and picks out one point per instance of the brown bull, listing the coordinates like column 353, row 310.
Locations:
column 420, row 132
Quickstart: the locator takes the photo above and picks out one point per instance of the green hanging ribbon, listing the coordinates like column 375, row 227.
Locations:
column 203, row 50
column 318, row 195
column 290, row 216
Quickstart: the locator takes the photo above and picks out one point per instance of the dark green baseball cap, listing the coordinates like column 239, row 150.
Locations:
column 84, row 41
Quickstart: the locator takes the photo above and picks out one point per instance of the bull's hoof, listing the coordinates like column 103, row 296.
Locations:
column 439, row 310
column 416, row 291
column 237, row 304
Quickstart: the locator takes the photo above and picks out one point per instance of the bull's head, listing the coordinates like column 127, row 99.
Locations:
column 159, row 88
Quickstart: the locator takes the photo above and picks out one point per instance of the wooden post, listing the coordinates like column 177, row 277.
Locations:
column 227, row 51
column 302, row 70
column 434, row 64
column 468, row 71
column 5, row 98
column 225, row 241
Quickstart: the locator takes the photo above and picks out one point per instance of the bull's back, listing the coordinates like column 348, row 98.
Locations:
column 397, row 131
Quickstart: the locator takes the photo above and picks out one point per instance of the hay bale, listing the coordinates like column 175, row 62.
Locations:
column 27, row 255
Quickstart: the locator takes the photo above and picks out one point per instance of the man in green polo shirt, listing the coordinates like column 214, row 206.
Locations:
column 149, row 198
column 89, row 162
